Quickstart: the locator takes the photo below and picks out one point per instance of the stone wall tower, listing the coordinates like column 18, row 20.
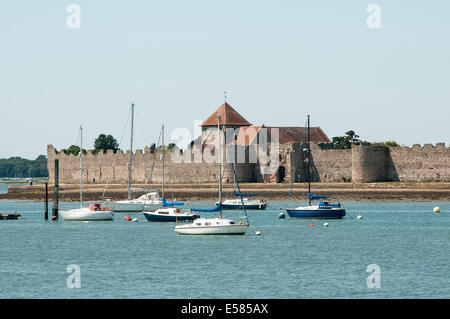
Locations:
column 229, row 119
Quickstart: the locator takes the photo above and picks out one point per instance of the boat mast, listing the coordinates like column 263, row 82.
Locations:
column 81, row 167
column 131, row 153
column 162, row 158
column 309, row 162
column 220, row 161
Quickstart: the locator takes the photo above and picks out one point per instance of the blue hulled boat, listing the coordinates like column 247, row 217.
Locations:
column 169, row 213
column 323, row 210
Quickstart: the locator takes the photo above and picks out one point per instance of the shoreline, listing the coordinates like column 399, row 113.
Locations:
column 390, row 191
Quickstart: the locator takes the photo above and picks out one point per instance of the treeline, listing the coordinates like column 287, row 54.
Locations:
column 22, row 167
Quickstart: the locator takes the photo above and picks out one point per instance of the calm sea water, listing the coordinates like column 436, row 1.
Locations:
column 290, row 259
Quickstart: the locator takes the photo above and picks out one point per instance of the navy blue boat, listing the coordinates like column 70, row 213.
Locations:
column 169, row 213
column 324, row 210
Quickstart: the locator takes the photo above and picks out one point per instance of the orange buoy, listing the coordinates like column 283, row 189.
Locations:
column 312, row 225
column 54, row 217
column 127, row 218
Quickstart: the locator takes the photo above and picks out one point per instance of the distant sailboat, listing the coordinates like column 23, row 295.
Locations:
column 220, row 225
column 169, row 212
column 237, row 203
column 149, row 200
column 92, row 213
column 323, row 210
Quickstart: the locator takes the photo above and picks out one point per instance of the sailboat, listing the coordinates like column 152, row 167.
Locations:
column 237, row 203
column 149, row 200
column 92, row 213
column 169, row 212
column 220, row 225
column 322, row 210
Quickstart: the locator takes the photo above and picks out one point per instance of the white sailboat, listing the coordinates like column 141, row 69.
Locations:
column 220, row 225
column 92, row 213
column 146, row 201
column 149, row 200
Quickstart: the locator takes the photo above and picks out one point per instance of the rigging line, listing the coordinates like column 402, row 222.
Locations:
column 153, row 166
column 296, row 163
column 78, row 138
column 115, row 156
column 239, row 189
column 154, row 159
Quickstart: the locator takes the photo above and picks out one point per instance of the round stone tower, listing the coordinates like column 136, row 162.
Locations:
column 370, row 163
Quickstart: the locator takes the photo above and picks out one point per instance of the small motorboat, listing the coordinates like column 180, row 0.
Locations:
column 16, row 215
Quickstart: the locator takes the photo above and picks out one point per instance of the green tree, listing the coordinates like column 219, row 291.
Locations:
column 105, row 142
column 389, row 143
column 22, row 167
column 73, row 149
column 345, row 142
column 171, row 146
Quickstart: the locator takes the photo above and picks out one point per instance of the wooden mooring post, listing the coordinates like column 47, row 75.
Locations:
column 55, row 203
column 46, row 202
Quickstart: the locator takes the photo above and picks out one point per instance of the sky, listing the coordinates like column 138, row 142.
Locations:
column 277, row 60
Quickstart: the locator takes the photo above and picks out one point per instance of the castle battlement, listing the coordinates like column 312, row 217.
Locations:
column 198, row 164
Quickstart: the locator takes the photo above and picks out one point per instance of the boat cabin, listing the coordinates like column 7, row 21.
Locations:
column 213, row 222
column 168, row 211
column 96, row 208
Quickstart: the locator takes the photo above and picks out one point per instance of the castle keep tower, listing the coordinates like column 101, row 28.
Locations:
column 230, row 121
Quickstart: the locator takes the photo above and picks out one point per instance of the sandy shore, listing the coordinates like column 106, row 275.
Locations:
column 273, row 192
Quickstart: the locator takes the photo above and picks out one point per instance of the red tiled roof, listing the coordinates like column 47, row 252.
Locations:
column 228, row 117
column 247, row 135
column 300, row 134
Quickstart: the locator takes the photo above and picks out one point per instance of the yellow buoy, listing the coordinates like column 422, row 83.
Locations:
column 437, row 210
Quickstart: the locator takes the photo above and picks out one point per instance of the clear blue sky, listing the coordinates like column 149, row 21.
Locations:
column 278, row 61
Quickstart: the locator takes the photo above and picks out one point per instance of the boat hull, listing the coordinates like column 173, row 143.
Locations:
column 299, row 213
column 247, row 206
column 86, row 215
column 131, row 207
column 154, row 217
column 236, row 229
column 9, row 216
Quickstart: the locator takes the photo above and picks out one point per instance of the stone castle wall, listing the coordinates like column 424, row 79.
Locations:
column 421, row 164
column 359, row 164
column 112, row 167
